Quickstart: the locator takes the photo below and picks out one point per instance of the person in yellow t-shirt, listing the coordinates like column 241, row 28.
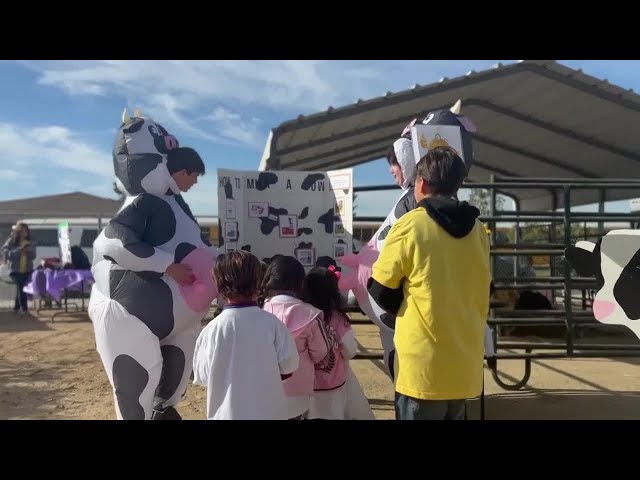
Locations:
column 433, row 273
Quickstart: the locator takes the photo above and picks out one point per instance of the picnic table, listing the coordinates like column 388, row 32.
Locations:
column 59, row 285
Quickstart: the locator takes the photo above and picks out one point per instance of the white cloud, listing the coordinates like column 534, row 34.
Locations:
column 181, row 92
column 231, row 125
column 80, row 166
column 51, row 146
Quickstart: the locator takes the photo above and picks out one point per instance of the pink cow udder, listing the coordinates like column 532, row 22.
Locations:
column 203, row 290
column 602, row 309
column 361, row 268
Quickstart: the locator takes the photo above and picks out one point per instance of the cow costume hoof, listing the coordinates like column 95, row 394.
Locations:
column 168, row 413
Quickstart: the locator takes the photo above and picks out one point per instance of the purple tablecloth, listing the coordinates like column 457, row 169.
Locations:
column 54, row 282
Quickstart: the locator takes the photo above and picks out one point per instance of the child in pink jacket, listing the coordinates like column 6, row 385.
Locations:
column 280, row 295
column 337, row 392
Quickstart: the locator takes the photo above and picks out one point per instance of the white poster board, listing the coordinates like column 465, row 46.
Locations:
column 426, row 137
column 303, row 214
column 64, row 240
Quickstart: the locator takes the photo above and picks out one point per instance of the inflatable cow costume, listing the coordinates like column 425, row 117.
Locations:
column 146, row 322
column 361, row 264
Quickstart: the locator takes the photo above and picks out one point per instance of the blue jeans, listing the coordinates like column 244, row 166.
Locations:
column 21, row 302
column 408, row 408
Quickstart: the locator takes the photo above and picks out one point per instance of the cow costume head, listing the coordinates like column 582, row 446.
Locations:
column 362, row 262
column 140, row 156
column 404, row 150
column 614, row 261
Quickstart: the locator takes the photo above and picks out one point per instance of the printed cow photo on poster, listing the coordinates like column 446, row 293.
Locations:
column 288, row 226
column 339, row 206
column 306, row 256
column 231, row 208
column 231, row 231
column 258, row 209
column 338, row 229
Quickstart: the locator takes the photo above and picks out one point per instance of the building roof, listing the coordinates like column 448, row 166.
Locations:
column 67, row 205
column 535, row 118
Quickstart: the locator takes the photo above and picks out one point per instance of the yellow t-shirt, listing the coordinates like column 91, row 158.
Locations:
column 440, row 325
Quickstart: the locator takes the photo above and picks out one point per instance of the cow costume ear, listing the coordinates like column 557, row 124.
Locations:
column 582, row 259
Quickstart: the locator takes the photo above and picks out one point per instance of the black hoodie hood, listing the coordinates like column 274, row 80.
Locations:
column 457, row 218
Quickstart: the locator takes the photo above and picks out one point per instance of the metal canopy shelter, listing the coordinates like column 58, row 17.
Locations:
column 535, row 118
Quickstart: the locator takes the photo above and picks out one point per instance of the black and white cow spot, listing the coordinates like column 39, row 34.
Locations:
column 185, row 208
column 389, row 320
column 627, row 286
column 173, row 363
column 129, row 381
column 246, row 248
column 149, row 275
column 147, row 222
column 265, row 180
column 327, row 220
column 138, row 151
column 155, row 309
column 162, row 140
column 131, row 169
column 205, row 239
column 228, row 191
column 406, row 204
column 182, row 250
column 391, row 364
column 133, row 126
column 305, row 245
column 385, row 231
column 311, row 179
column 268, row 224
column 614, row 261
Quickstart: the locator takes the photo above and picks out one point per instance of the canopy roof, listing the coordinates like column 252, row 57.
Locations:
column 535, row 118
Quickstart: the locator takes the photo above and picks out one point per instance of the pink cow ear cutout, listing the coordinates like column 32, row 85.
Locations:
column 349, row 260
column 407, row 129
column 468, row 124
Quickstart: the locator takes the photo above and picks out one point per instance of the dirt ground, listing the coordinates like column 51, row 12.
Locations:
column 52, row 371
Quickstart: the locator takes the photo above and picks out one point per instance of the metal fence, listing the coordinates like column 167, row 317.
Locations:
column 571, row 309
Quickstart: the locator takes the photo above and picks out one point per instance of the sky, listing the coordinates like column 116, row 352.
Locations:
column 59, row 118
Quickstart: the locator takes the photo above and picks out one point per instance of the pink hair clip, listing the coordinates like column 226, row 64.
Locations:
column 332, row 269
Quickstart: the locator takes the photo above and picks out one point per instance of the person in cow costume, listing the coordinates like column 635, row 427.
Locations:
column 403, row 169
column 152, row 270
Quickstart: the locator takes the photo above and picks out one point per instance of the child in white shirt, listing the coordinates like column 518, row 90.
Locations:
column 243, row 355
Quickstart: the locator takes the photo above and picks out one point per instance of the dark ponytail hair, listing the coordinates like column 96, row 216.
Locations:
column 284, row 274
column 321, row 290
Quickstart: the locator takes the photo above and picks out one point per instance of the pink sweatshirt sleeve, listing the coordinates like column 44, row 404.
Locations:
column 317, row 342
